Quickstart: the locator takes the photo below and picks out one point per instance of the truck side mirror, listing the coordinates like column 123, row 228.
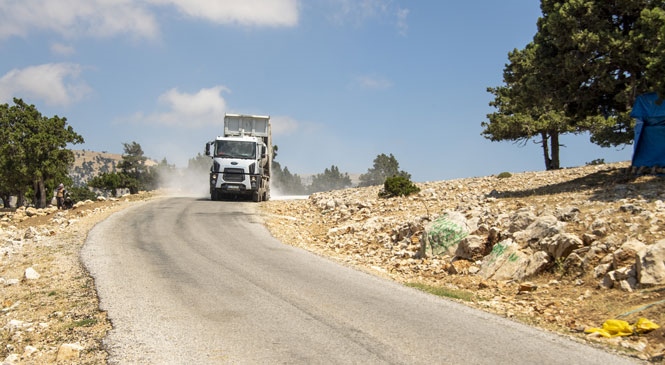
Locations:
column 208, row 149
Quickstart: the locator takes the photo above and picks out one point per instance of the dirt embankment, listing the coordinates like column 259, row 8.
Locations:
column 50, row 310
column 573, row 279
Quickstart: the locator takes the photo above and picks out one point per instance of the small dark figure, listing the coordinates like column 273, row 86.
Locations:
column 60, row 194
column 68, row 203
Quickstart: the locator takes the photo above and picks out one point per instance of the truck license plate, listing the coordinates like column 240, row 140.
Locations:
column 232, row 187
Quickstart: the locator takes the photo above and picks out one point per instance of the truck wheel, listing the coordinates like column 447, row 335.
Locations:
column 256, row 196
column 214, row 196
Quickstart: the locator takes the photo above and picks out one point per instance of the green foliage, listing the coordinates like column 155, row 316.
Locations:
column 504, row 175
column 598, row 161
column 384, row 167
column 134, row 172
column 581, row 73
column 398, row 186
column 330, row 179
column 33, row 152
column 86, row 322
column 81, row 193
column 107, row 181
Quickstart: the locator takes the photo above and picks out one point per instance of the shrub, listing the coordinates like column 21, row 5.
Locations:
column 398, row 186
column 504, row 175
column 81, row 193
column 598, row 161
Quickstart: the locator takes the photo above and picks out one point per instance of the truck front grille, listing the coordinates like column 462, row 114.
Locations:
column 234, row 175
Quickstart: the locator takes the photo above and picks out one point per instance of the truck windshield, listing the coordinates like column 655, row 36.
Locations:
column 235, row 149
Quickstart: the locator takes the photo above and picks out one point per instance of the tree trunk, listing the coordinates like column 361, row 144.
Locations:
column 546, row 152
column 554, row 142
column 40, row 193
column 5, row 200
column 551, row 160
column 20, row 199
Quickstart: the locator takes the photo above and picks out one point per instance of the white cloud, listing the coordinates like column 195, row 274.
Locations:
column 62, row 49
column 76, row 18
column 402, row 24
column 373, row 82
column 359, row 11
column 55, row 83
column 245, row 12
column 204, row 108
column 107, row 18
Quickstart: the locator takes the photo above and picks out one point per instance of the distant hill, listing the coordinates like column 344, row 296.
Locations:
column 88, row 164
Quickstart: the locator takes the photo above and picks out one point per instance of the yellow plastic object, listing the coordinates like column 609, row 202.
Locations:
column 644, row 325
column 617, row 327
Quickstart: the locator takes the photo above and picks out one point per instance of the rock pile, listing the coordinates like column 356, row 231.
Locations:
column 506, row 229
column 596, row 227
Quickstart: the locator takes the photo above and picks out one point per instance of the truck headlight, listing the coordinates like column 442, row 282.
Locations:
column 213, row 179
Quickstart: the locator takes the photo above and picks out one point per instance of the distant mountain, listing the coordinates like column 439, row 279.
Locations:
column 88, row 164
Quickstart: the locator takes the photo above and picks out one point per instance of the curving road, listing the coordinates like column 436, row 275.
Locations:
column 189, row 281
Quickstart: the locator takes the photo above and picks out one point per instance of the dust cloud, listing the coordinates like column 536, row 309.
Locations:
column 193, row 183
column 185, row 183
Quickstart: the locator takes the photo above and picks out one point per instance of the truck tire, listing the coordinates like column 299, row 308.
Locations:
column 213, row 195
column 256, row 196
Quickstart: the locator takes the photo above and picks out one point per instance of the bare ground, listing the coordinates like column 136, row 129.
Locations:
column 61, row 306
column 556, row 300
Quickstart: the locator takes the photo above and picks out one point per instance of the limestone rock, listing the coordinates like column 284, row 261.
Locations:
column 560, row 245
column 443, row 235
column 69, row 352
column 541, row 228
column 472, row 248
column 650, row 264
column 31, row 274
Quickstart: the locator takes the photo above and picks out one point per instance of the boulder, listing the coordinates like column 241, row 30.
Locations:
column 471, row 248
column 521, row 220
column 543, row 227
column 627, row 253
column 650, row 264
column 560, row 245
column 444, row 233
column 508, row 262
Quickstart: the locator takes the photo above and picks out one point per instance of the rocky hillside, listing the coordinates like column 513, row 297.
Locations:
column 88, row 164
column 565, row 250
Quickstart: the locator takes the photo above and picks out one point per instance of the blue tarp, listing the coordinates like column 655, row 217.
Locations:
column 649, row 140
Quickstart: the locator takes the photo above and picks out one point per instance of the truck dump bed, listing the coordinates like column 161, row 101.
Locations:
column 250, row 125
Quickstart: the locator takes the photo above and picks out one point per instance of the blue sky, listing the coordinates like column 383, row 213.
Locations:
column 343, row 80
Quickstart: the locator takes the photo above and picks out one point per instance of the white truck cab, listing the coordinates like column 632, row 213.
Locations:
column 241, row 158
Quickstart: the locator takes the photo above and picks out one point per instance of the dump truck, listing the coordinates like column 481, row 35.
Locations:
column 241, row 158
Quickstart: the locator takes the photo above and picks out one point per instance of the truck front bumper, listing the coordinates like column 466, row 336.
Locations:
column 250, row 184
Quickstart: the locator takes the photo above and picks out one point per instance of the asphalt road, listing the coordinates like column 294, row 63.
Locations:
column 189, row 281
